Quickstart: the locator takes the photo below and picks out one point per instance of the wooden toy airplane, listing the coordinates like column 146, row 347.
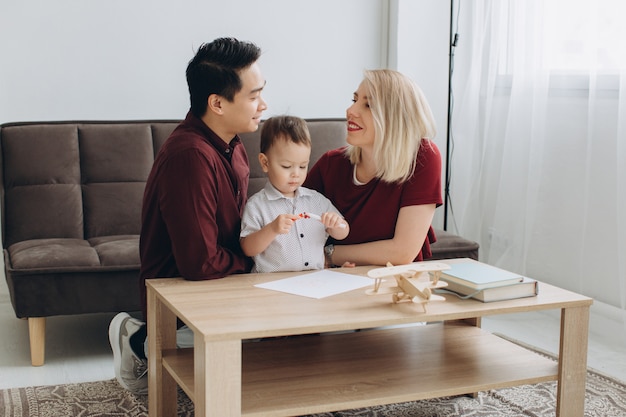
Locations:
column 413, row 282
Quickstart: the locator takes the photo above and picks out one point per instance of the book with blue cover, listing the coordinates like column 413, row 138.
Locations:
column 478, row 275
column 526, row 288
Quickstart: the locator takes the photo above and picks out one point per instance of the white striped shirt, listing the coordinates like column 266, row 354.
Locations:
column 300, row 249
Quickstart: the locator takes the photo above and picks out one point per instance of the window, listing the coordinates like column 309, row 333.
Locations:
column 583, row 35
column 572, row 41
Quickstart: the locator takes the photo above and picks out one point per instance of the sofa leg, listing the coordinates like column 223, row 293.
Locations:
column 37, row 333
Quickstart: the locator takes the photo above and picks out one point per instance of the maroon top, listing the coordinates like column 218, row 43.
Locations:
column 372, row 209
column 192, row 207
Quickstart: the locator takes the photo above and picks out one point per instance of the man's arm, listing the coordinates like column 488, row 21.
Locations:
column 192, row 189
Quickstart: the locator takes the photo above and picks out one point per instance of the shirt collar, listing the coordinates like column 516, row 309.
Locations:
column 273, row 194
column 224, row 148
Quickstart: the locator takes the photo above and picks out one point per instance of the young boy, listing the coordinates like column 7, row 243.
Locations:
column 279, row 227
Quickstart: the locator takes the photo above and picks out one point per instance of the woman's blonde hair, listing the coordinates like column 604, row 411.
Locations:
column 402, row 119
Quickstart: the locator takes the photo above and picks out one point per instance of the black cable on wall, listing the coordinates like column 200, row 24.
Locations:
column 454, row 38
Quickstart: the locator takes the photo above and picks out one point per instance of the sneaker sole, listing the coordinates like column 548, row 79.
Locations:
column 114, row 332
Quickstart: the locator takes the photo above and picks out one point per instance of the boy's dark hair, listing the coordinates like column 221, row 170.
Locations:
column 215, row 70
column 289, row 128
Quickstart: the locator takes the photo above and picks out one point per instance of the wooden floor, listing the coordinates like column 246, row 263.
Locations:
column 77, row 347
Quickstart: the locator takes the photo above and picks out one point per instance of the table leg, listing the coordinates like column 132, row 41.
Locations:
column 162, row 392
column 217, row 377
column 470, row 321
column 572, row 362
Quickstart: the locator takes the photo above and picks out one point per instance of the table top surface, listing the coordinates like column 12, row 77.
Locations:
column 233, row 308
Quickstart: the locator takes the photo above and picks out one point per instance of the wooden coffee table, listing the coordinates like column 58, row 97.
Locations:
column 229, row 372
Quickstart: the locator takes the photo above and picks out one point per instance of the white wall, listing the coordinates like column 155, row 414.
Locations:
column 420, row 49
column 422, row 53
column 72, row 59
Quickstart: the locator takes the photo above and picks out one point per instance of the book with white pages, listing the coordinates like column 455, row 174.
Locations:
column 478, row 275
column 526, row 288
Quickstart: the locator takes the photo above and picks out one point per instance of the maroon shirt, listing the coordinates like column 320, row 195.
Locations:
column 372, row 209
column 192, row 207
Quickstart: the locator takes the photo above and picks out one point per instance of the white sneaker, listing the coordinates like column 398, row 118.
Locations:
column 130, row 370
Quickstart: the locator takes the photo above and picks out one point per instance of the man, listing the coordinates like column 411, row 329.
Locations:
column 196, row 190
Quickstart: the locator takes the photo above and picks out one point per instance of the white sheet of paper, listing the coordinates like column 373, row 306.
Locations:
column 319, row 284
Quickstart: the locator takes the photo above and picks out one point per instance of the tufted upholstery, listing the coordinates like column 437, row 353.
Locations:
column 71, row 205
column 71, row 213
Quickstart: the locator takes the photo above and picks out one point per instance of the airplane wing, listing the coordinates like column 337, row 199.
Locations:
column 414, row 267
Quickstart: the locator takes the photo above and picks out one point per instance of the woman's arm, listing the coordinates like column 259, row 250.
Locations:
column 411, row 230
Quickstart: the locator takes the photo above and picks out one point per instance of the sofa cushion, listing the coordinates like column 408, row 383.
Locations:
column 112, row 208
column 115, row 152
column 161, row 130
column 75, row 255
column 52, row 254
column 117, row 250
column 115, row 162
column 449, row 246
column 40, row 211
column 41, row 183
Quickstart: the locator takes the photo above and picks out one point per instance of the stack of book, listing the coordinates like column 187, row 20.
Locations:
column 486, row 283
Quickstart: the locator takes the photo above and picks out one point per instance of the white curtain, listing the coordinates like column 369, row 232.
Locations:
column 538, row 166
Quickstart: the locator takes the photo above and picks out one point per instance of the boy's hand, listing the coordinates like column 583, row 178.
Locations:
column 332, row 220
column 282, row 224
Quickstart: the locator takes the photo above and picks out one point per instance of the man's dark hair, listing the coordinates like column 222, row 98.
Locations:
column 215, row 70
column 289, row 128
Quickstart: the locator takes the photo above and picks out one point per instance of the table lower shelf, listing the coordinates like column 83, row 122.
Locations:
column 313, row 374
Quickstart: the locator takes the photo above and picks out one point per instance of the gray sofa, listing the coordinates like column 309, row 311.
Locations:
column 70, row 202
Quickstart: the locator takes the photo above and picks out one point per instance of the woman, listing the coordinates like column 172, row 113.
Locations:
column 387, row 181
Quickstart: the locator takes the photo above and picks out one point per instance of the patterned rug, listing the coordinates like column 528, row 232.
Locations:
column 605, row 397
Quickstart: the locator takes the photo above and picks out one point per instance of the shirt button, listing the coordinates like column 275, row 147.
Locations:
column 306, row 264
column 301, row 234
column 227, row 150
